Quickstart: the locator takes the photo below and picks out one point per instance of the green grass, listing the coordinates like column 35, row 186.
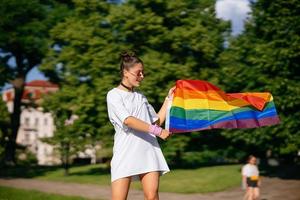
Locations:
column 7, row 193
column 201, row 180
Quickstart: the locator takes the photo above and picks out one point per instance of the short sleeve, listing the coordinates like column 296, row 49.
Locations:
column 116, row 109
column 151, row 111
column 245, row 170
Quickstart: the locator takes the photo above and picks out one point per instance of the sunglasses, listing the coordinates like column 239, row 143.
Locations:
column 139, row 74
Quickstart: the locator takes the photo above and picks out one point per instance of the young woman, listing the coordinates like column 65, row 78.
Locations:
column 251, row 181
column 136, row 152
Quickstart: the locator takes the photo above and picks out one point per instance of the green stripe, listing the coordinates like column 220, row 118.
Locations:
column 209, row 114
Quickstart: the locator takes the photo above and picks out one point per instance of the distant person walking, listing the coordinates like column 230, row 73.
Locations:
column 136, row 152
column 250, row 179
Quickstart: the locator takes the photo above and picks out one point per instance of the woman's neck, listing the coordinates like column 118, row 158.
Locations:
column 126, row 86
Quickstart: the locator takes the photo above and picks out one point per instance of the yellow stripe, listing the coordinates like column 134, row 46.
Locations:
column 208, row 104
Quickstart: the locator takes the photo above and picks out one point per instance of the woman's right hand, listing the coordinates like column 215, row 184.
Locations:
column 164, row 134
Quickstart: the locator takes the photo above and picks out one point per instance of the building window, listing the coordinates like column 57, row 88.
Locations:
column 27, row 120
column 45, row 151
column 36, row 121
column 27, row 137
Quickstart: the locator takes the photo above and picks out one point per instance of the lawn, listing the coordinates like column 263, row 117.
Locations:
column 7, row 193
column 201, row 180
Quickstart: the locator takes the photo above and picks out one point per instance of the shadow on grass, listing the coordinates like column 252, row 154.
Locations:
column 92, row 171
column 26, row 171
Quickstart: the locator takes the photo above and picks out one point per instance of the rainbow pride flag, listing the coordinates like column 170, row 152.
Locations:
column 199, row 105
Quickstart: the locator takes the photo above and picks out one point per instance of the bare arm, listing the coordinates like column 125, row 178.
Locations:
column 162, row 113
column 244, row 182
column 142, row 126
column 163, row 110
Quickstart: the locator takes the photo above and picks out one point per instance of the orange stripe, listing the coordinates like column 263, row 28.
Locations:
column 256, row 99
column 193, row 94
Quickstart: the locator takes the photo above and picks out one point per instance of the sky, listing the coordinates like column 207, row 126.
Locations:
column 234, row 10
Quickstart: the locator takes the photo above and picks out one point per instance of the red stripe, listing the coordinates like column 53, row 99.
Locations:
column 195, row 85
column 189, row 88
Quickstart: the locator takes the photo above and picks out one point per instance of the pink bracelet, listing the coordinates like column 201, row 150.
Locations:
column 155, row 130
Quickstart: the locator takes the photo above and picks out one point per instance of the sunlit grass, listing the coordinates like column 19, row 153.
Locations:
column 201, row 180
column 7, row 193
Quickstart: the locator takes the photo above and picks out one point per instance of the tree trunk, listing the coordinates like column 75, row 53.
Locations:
column 66, row 154
column 10, row 149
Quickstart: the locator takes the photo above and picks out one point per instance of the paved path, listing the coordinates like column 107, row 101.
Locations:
column 272, row 189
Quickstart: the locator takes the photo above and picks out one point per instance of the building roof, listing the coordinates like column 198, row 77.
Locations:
column 40, row 83
column 33, row 90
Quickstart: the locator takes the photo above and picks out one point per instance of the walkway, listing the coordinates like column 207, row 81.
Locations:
column 272, row 189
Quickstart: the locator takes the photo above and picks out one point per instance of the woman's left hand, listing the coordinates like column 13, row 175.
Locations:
column 170, row 93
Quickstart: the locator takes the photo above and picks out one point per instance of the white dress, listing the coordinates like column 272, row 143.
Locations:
column 134, row 152
column 249, row 170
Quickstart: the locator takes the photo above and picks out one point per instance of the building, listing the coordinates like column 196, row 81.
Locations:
column 35, row 124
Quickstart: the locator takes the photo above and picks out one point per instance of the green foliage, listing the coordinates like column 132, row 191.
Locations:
column 66, row 104
column 175, row 39
column 26, row 157
column 266, row 58
column 201, row 148
column 24, row 35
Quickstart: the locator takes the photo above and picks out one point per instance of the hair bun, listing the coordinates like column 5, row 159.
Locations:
column 127, row 55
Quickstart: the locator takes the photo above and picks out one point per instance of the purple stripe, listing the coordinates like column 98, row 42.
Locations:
column 242, row 123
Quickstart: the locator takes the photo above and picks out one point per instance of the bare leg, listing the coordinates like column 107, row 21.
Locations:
column 150, row 182
column 246, row 194
column 249, row 194
column 256, row 193
column 120, row 188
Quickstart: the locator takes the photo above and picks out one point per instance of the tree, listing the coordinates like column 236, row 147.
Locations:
column 4, row 127
column 266, row 58
column 23, row 37
column 175, row 39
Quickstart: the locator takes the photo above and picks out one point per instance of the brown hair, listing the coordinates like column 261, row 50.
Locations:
column 128, row 60
column 250, row 157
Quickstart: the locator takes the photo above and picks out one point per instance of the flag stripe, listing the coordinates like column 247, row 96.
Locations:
column 209, row 113
column 199, row 105
column 207, row 104
column 231, row 124
column 201, row 123
column 218, row 95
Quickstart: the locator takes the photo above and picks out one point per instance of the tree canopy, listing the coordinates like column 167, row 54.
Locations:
column 266, row 58
column 23, row 44
column 175, row 39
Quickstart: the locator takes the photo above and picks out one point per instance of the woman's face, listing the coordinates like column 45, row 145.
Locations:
column 252, row 161
column 134, row 75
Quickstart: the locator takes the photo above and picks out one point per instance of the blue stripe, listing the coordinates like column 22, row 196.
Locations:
column 184, row 124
